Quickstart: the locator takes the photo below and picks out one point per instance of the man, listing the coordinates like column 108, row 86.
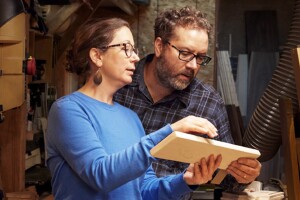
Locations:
column 165, row 88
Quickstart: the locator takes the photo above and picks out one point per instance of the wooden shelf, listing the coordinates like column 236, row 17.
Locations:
column 12, row 97
column 9, row 40
column 14, row 30
column 12, row 54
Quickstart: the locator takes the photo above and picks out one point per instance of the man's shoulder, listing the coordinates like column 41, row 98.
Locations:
column 200, row 91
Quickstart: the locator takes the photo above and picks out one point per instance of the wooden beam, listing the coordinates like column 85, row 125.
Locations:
column 85, row 13
column 103, row 8
column 289, row 148
column 61, row 15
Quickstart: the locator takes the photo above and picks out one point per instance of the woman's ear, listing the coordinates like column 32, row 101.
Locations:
column 158, row 45
column 95, row 56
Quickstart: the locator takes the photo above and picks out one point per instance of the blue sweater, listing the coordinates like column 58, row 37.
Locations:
column 100, row 151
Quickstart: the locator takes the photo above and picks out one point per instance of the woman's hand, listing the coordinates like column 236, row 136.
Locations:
column 202, row 172
column 192, row 124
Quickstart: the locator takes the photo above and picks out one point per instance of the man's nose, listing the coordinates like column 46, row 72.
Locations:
column 192, row 64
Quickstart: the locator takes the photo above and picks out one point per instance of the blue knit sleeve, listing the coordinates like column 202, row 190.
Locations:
column 168, row 187
column 72, row 138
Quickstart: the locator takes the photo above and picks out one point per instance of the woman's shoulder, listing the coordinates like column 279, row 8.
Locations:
column 124, row 108
column 65, row 102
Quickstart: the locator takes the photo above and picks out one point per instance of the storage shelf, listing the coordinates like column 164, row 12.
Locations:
column 9, row 40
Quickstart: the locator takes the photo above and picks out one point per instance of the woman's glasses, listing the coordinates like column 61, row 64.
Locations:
column 127, row 47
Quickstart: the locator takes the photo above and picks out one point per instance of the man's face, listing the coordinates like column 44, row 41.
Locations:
column 172, row 72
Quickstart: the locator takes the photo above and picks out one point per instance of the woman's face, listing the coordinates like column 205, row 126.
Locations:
column 117, row 65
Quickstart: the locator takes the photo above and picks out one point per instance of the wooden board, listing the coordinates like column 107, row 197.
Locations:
column 187, row 148
column 12, row 154
column 12, row 92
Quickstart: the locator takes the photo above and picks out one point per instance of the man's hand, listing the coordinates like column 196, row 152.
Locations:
column 202, row 172
column 244, row 170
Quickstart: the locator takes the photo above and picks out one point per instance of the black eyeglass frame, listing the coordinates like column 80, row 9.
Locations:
column 206, row 59
column 126, row 49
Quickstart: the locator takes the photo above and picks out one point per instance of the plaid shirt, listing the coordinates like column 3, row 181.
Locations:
column 197, row 99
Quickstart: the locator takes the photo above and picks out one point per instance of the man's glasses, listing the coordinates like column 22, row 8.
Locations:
column 127, row 47
column 188, row 56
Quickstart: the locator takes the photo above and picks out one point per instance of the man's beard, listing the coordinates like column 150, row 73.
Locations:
column 168, row 79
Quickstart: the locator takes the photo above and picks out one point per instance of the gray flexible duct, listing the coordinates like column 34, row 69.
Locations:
column 264, row 131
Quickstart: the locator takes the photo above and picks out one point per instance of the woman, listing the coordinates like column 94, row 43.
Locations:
column 97, row 149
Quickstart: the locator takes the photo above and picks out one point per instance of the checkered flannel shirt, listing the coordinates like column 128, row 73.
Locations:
column 197, row 99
